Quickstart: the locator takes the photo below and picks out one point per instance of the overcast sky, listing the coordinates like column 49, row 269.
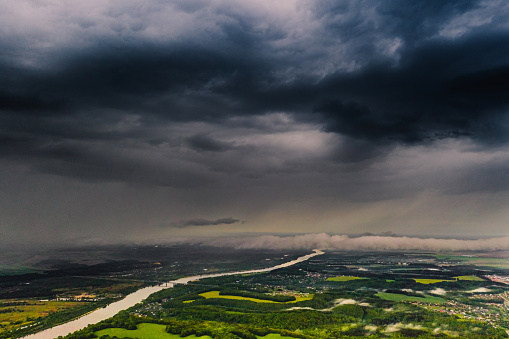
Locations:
column 140, row 120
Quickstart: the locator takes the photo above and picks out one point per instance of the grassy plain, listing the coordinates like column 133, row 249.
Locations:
column 402, row 297
column 344, row 278
column 144, row 331
column 216, row 295
column 21, row 315
column 461, row 277
column 6, row 270
column 469, row 277
column 477, row 261
column 432, row 281
column 156, row 331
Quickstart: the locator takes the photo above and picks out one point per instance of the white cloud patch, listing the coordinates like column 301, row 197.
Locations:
column 344, row 242
column 439, row 291
column 488, row 12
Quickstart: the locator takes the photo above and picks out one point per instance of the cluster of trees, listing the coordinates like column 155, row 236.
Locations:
column 122, row 320
column 186, row 328
column 292, row 321
column 221, row 330
column 179, row 292
column 10, row 310
column 13, row 303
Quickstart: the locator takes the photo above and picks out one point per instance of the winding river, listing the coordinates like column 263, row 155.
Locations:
column 138, row 296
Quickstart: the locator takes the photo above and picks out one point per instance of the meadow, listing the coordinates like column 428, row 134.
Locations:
column 216, row 295
column 21, row 313
column 477, row 261
column 344, row 278
column 7, row 270
column 402, row 297
column 461, row 277
column 432, row 281
column 469, row 278
column 144, row 331
column 156, row 331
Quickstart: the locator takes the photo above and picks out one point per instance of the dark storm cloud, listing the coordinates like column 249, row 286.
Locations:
column 205, row 222
column 397, row 80
column 437, row 91
column 208, row 144
column 415, row 21
column 346, row 115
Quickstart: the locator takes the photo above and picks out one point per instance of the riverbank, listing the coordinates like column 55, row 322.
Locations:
column 138, row 296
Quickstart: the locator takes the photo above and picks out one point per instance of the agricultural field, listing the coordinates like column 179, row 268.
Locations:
column 8, row 270
column 144, row 331
column 216, row 295
column 156, row 331
column 403, row 297
column 344, row 278
column 431, row 281
column 20, row 313
column 502, row 263
column 469, row 278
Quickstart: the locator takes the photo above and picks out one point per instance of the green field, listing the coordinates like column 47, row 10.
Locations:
column 402, row 297
column 461, row 277
column 477, row 261
column 156, row 331
column 6, row 270
column 12, row 317
column 216, row 295
column 144, row 331
column 469, row 277
column 344, row 278
column 432, row 281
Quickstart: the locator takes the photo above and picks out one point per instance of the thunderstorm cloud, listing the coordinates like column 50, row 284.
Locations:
column 300, row 116
column 205, row 222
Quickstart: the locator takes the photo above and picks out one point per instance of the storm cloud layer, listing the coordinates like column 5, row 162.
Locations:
column 301, row 115
column 205, row 222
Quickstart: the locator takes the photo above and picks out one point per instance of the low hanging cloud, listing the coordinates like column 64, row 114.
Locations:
column 205, row 222
column 370, row 242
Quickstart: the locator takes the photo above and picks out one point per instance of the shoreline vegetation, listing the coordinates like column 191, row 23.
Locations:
column 109, row 311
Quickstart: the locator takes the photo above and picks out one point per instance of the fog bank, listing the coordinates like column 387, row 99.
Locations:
column 371, row 242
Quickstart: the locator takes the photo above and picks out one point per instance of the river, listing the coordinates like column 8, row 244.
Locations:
column 138, row 296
